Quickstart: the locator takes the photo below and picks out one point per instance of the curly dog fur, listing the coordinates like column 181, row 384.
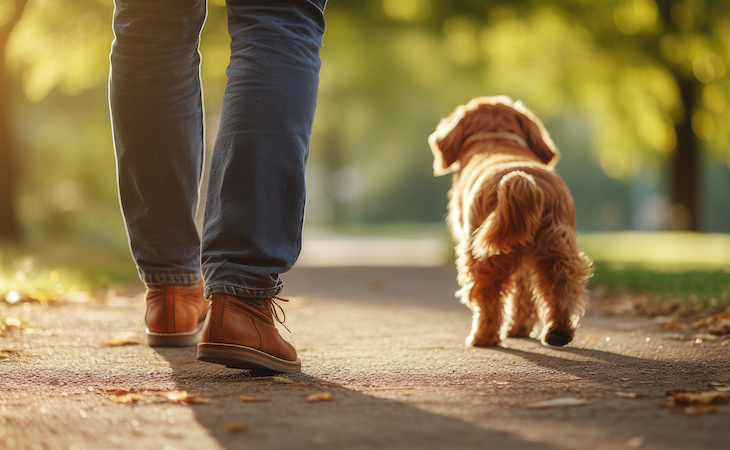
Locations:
column 513, row 221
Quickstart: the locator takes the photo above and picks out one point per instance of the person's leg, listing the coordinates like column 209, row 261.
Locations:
column 255, row 206
column 157, row 121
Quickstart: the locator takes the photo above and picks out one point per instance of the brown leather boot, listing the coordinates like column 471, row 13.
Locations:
column 175, row 314
column 243, row 336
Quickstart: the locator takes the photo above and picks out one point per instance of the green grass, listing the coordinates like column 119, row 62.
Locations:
column 668, row 265
column 63, row 268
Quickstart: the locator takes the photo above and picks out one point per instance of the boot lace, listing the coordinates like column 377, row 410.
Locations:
column 276, row 308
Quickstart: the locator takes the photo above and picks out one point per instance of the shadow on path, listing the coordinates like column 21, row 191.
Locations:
column 285, row 419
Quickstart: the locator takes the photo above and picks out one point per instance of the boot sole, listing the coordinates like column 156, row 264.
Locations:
column 182, row 339
column 240, row 357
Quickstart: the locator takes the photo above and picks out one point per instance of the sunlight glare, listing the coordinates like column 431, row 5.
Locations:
column 12, row 297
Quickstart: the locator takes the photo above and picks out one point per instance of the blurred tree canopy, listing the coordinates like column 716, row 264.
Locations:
column 641, row 82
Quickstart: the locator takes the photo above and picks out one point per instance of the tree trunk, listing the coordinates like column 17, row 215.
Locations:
column 685, row 165
column 9, row 226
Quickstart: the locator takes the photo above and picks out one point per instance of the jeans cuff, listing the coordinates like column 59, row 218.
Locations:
column 169, row 278
column 239, row 291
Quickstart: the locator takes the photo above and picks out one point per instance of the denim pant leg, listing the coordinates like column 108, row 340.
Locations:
column 157, row 120
column 255, row 205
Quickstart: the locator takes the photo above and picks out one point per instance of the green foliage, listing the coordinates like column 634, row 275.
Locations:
column 62, row 43
column 391, row 69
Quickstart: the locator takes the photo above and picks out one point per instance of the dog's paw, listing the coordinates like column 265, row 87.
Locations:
column 482, row 341
column 557, row 338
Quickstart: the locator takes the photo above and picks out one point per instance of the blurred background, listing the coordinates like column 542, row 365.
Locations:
column 635, row 93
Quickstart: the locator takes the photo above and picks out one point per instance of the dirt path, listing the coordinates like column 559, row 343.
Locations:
column 387, row 345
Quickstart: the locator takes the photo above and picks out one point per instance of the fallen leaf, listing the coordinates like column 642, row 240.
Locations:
column 185, row 397
column 320, row 397
column 234, row 427
column 672, row 325
column 629, row 394
column 281, row 380
column 157, row 363
column 4, row 355
column 725, row 387
column 246, row 399
column 591, row 337
column 123, row 396
column 126, row 397
column 687, row 397
column 717, row 318
column 635, row 442
column 118, row 342
column 557, row 403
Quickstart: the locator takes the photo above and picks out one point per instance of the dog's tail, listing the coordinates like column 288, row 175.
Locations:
column 516, row 218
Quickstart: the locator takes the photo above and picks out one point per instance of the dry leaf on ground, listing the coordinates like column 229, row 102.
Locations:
column 557, row 403
column 119, row 342
column 716, row 319
column 687, row 397
column 127, row 397
column 725, row 387
column 185, row 397
column 320, row 397
column 234, row 427
column 123, row 396
column 629, row 394
column 281, row 380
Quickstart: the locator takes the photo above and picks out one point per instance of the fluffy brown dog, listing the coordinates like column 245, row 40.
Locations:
column 513, row 221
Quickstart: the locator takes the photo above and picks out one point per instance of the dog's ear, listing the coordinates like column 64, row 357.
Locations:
column 537, row 136
column 446, row 142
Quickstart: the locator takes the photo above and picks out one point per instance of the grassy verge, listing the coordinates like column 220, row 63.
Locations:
column 690, row 266
column 62, row 269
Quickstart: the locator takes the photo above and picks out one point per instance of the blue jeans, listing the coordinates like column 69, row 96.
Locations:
column 255, row 204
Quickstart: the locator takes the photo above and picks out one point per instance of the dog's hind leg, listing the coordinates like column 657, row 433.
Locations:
column 561, row 277
column 491, row 283
column 523, row 315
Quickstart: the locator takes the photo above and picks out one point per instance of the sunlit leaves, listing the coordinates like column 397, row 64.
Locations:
column 634, row 16
column 405, row 10
column 61, row 44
